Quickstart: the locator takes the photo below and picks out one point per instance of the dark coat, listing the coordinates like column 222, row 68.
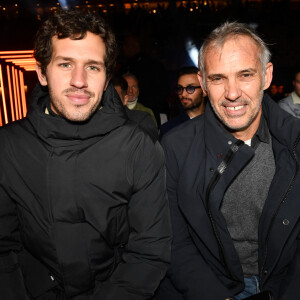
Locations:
column 179, row 119
column 202, row 160
column 144, row 120
column 83, row 207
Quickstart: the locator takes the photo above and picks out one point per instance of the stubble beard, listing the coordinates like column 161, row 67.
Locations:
column 193, row 106
column 247, row 124
column 78, row 113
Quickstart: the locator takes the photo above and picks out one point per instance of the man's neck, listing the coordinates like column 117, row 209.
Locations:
column 196, row 111
column 295, row 97
column 248, row 132
column 131, row 105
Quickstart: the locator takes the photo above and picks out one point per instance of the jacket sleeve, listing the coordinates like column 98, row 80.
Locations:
column 11, row 279
column 290, row 284
column 146, row 256
column 189, row 273
column 149, row 126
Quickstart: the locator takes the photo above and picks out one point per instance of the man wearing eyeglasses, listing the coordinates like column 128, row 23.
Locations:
column 190, row 96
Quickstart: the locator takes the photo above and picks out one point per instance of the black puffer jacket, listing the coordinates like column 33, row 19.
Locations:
column 83, row 207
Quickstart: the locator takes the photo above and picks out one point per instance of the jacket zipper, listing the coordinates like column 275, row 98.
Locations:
column 278, row 208
column 212, row 183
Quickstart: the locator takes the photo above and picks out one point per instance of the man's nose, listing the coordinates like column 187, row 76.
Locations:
column 232, row 90
column 184, row 94
column 79, row 78
column 130, row 90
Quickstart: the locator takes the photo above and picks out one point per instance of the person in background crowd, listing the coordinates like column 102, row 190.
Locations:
column 133, row 95
column 142, row 118
column 275, row 91
column 233, row 181
column 191, row 98
column 121, row 86
column 151, row 74
column 83, row 207
column 291, row 104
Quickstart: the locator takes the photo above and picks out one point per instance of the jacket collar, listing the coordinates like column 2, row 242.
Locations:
column 284, row 128
column 217, row 139
column 278, row 121
column 58, row 131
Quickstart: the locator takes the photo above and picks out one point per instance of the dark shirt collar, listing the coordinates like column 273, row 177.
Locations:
column 262, row 134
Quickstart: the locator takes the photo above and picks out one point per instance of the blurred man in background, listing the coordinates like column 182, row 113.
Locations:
column 142, row 118
column 133, row 93
column 291, row 104
column 190, row 96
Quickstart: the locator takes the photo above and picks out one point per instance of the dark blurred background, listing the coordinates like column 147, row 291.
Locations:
column 169, row 31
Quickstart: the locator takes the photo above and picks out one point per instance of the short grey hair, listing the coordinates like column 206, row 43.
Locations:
column 221, row 34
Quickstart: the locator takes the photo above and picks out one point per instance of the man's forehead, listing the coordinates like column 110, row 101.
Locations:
column 89, row 42
column 232, row 41
column 131, row 80
column 232, row 47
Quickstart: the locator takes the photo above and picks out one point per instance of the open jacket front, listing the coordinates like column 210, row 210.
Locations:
column 82, row 206
column 202, row 161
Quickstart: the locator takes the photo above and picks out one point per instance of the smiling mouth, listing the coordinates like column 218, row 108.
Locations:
column 235, row 108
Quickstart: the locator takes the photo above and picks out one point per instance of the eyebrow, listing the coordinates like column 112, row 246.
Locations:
column 250, row 70
column 215, row 75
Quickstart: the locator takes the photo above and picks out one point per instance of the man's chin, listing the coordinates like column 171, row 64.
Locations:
column 78, row 116
column 190, row 107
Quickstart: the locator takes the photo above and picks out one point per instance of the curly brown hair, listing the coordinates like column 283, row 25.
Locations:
column 74, row 24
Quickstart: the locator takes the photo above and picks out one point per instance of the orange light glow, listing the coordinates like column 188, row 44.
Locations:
column 18, row 94
column 16, row 52
column 10, row 95
column 16, row 56
column 15, row 92
column 12, row 81
column 22, row 88
column 29, row 69
column 3, row 96
column 21, row 61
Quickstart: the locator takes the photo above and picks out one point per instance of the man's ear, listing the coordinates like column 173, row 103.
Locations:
column 107, row 82
column 200, row 78
column 268, row 75
column 42, row 78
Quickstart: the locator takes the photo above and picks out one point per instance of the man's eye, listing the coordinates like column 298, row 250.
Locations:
column 93, row 68
column 217, row 80
column 247, row 76
column 65, row 65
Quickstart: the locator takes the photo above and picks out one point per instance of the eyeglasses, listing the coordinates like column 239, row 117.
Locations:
column 190, row 89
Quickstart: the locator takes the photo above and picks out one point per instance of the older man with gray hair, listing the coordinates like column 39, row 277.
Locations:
column 233, row 181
